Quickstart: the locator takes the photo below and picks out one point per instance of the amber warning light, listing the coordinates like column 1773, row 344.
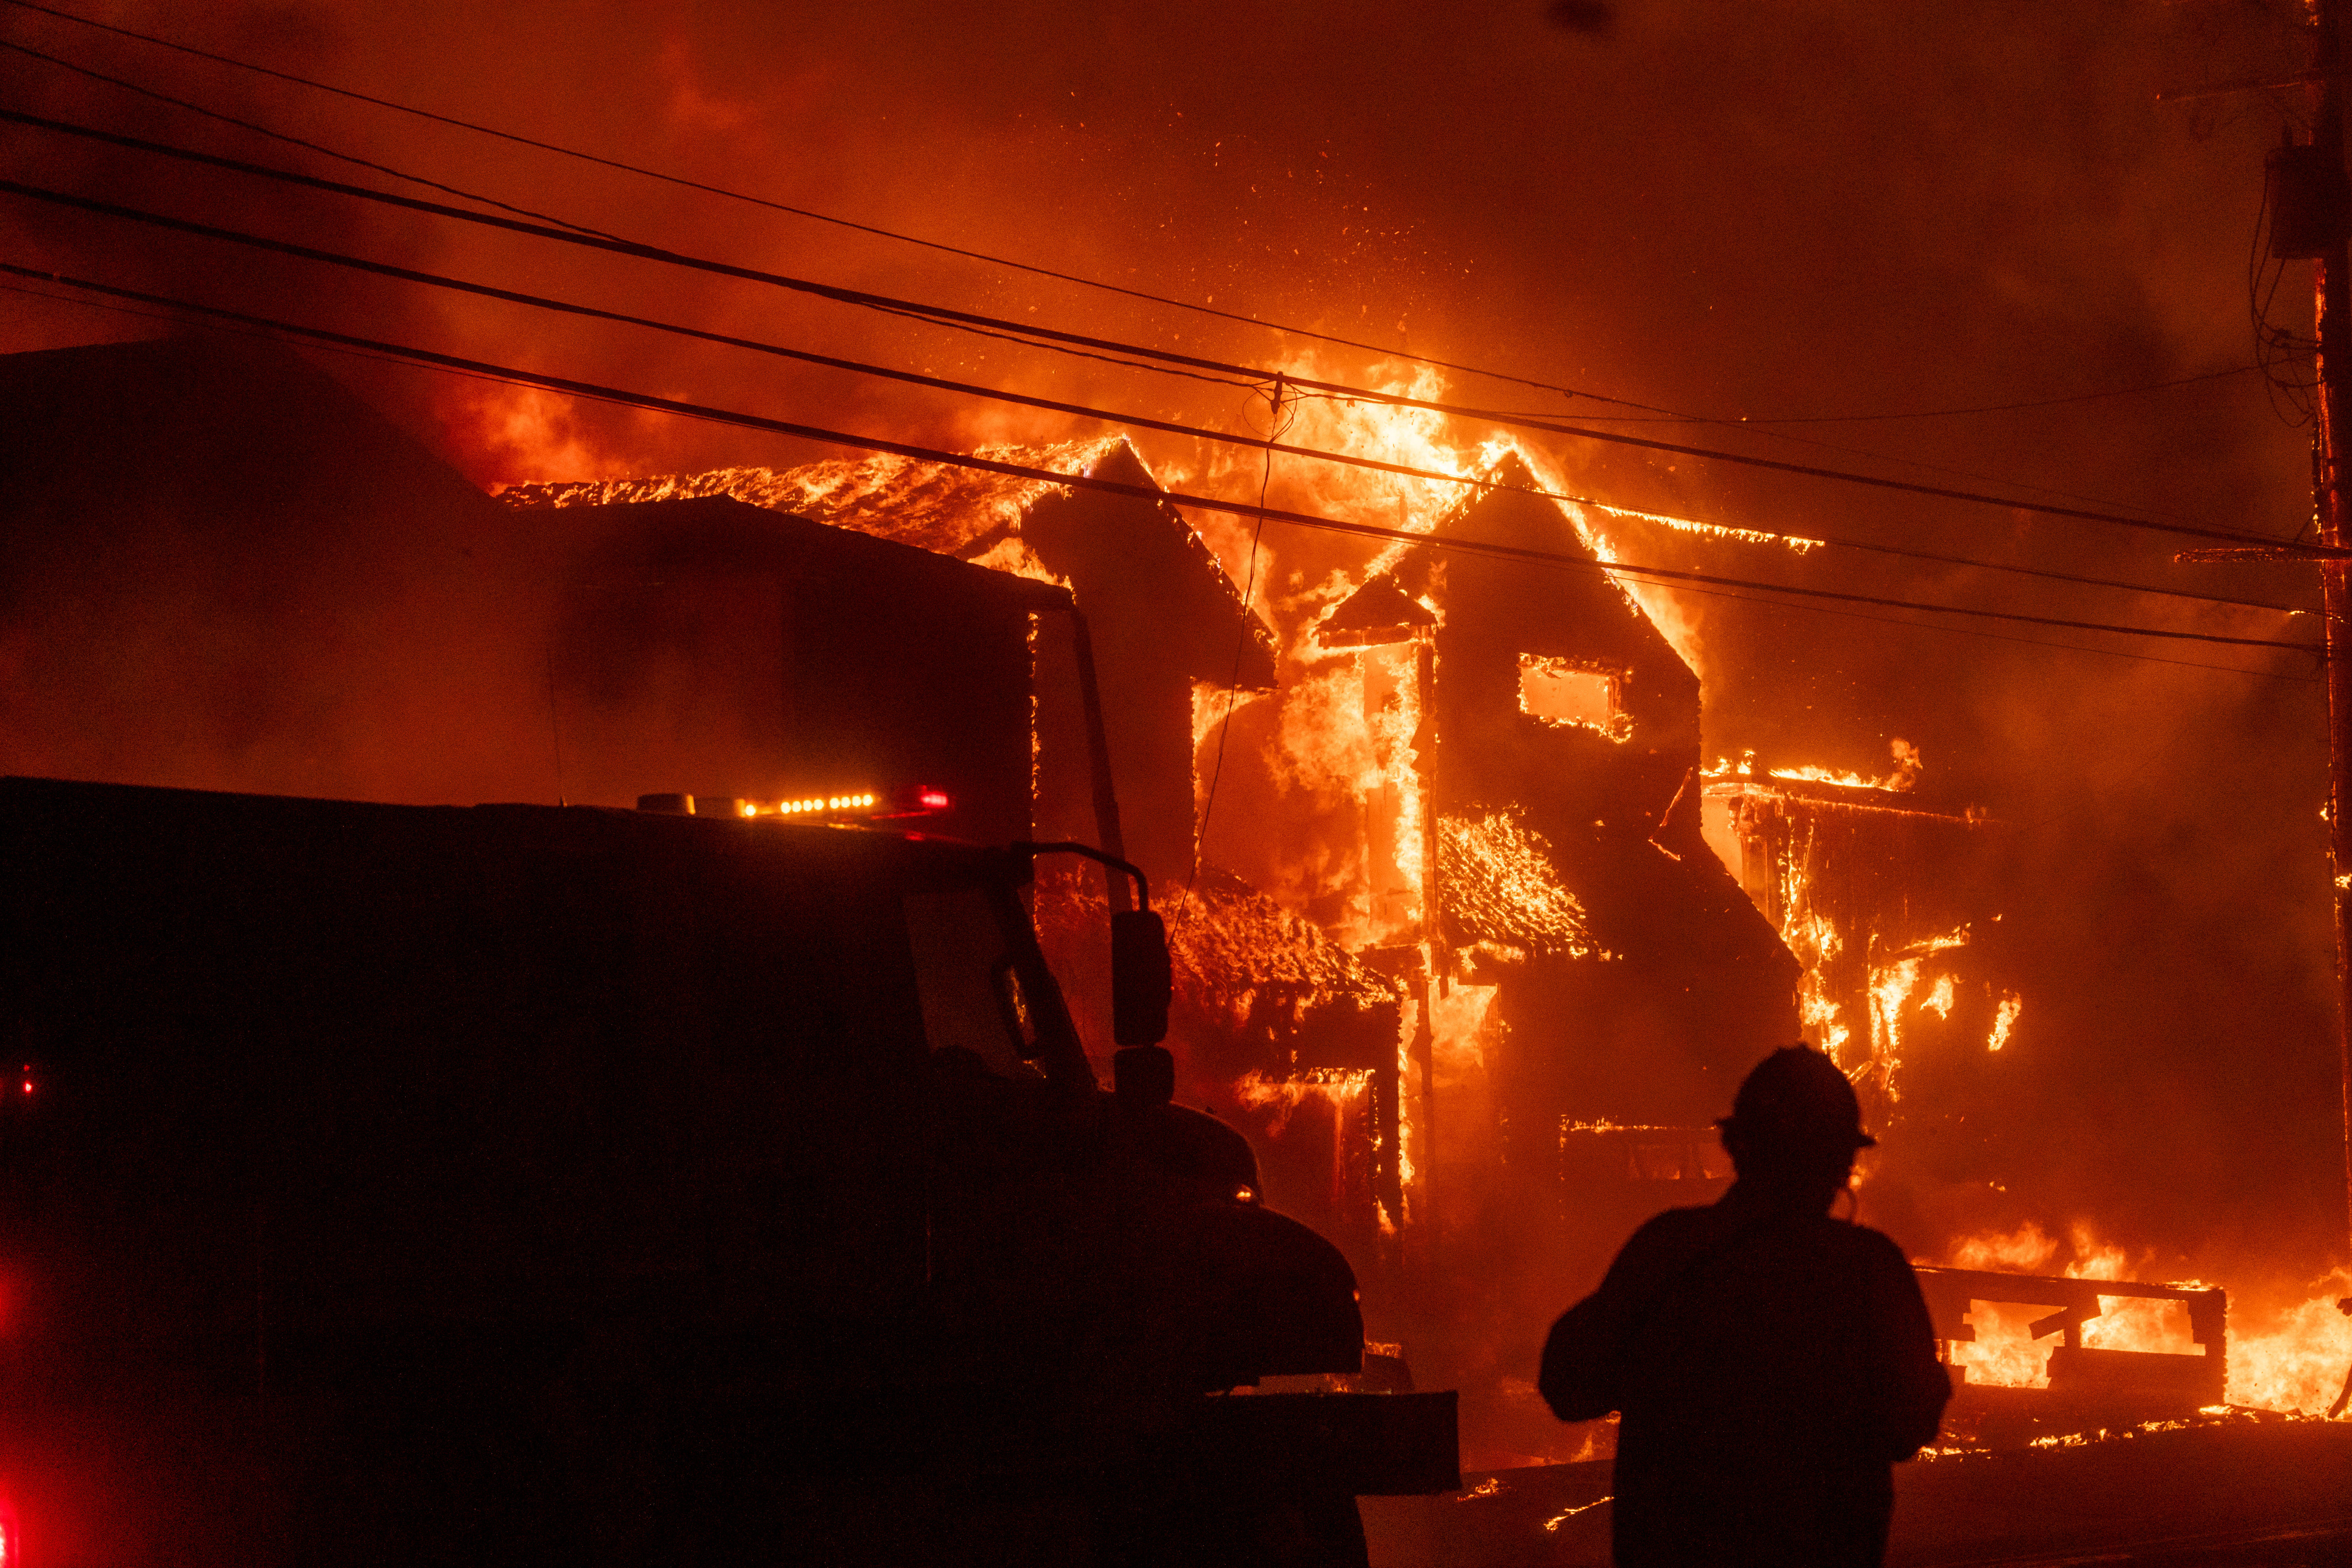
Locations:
column 850, row 806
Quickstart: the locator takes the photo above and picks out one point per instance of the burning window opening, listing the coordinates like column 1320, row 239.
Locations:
column 1569, row 693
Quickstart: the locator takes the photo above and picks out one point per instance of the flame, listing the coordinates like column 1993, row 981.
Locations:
column 2295, row 1357
column 1903, row 777
column 2004, row 1020
column 2141, row 1323
column 1457, row 1022
column 1939, row 1000
column 2004, row 1355
column 1794, row 544
column 1812, row 774
column 972, row 515
column 1393, row 725
column 1344, row 733
column 1503, row 886
column 2025, row 1250
column 1336, row 1087
column 1815, row 940
column 1890, row 989
column 1408, row 1133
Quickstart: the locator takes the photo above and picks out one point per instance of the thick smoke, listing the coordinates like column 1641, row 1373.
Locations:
column 1784, row 212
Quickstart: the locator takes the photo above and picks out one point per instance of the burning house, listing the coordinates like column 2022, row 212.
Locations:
column 1527, row 860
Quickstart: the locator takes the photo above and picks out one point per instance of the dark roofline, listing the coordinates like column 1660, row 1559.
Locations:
column 842, row 547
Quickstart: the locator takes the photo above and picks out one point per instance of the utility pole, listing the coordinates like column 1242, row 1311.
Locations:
column 2332, row 270
column 2309, row 198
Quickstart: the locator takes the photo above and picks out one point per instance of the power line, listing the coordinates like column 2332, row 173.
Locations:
column 953, row 318
column 1929, row 413
column 1650, row 412
column 413, row 275
column 1113, row 486
column 640, row 170
column 260, row 130
column 344, row 353
column 2011, row 638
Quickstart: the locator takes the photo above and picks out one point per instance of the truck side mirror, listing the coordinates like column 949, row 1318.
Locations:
column 1139, row 984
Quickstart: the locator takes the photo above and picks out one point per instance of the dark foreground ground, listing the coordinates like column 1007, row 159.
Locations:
column 2270, row 1492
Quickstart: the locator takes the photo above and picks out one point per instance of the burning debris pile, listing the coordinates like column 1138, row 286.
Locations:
column 2054, row 1334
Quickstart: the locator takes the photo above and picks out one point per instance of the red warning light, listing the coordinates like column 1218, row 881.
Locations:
column 933, row 800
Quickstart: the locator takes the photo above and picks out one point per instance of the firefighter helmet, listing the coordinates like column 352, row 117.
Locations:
column 1797, row 1099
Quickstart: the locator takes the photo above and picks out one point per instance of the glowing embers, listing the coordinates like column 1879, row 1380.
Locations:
column 1579, row 694
column 1503, row 888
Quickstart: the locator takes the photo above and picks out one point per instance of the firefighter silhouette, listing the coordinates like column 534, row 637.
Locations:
column 1770, row 1363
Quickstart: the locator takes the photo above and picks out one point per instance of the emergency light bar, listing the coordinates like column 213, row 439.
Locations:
column 854, row 806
